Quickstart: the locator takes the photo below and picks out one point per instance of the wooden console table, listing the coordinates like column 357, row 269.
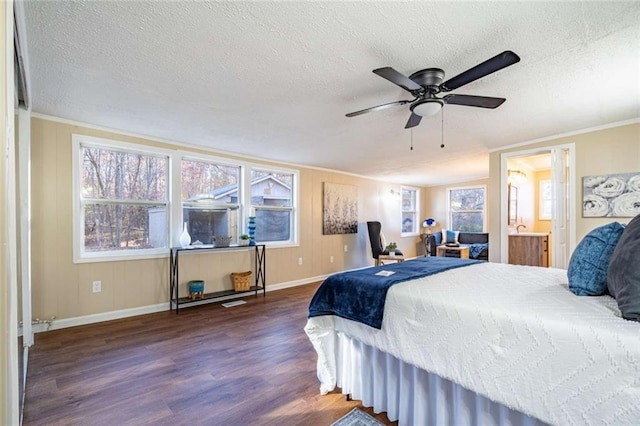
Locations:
column 259, row 270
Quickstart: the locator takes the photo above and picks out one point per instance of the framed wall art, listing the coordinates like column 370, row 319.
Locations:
column 613, row 195
column 340, row 209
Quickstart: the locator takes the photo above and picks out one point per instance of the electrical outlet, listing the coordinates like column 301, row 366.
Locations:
column 299, row 261
column 331, row 259
column 97, row 286
column 346, row 248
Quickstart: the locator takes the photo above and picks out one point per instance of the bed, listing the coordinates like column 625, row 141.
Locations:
column 487, row 343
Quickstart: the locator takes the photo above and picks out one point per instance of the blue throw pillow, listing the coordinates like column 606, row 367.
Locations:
column 449, row 236
column 590, row 261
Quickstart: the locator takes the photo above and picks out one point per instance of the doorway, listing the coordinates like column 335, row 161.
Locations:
column 538, row 193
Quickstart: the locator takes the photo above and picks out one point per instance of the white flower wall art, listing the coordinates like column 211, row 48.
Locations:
column 615, row 195
column 340, row 209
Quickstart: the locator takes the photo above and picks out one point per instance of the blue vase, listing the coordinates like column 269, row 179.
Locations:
column 251, row 228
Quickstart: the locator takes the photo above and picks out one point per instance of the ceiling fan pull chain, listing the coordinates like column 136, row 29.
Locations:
column 412, row 139
column 442, row 128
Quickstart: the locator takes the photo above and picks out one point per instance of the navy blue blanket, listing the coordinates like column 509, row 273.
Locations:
column 360, row 295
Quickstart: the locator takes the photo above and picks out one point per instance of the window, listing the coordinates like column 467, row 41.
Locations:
column 545, row 200
column 131, row 201
column 466, row 209
column 409, row 211
column 512, row 205
column 272, row 202
column 123, row 200
column 210, row 199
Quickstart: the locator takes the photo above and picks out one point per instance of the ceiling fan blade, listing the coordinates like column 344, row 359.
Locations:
column 414, row 120
column 489, row 66
column 474, row 101
column 398, row 79
column 376, row 108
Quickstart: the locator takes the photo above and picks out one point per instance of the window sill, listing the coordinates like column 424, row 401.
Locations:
column 409, row 234
column 98, row 258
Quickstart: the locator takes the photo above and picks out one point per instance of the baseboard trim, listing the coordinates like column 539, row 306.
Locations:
column 296, row 283
column 150, row 309
column 103, row 316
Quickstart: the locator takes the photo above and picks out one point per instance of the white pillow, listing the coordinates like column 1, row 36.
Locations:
column 449, row 236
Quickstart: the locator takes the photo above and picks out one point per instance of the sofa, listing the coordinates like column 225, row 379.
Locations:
column 464, row 238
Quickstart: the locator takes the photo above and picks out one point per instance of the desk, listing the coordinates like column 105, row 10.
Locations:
column 385, row 257
column 259, row 270
column 463, row 250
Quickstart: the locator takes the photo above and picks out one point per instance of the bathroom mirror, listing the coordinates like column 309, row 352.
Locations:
column 512, row 205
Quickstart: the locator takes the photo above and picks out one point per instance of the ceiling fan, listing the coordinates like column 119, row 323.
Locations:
column 425, row 84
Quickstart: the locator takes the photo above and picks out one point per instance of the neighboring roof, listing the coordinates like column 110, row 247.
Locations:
column 228, row 190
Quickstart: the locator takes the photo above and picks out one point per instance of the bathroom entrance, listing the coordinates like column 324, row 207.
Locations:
column 538, row 215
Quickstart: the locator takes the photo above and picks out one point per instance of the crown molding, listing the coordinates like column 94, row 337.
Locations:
column 568, row 134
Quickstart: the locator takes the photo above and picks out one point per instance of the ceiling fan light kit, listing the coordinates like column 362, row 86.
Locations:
column 425, row 84
column 427, row 107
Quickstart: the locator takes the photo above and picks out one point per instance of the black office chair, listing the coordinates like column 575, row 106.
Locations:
column 377, row 249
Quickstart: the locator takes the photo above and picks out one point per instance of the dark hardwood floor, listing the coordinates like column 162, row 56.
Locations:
column 246, row 365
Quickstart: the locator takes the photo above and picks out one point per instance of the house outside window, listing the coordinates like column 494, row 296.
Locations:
column 467, row 208
column 272, row 203
column 121, row 194
column 410, row 213
column 125, row 207
column 210, row 199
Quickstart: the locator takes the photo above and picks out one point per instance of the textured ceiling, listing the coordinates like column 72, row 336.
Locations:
column 275, row 79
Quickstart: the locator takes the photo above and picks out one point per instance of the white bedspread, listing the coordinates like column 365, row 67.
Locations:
column 514, row 334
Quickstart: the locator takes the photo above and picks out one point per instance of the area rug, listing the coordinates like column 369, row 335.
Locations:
column 357, row 417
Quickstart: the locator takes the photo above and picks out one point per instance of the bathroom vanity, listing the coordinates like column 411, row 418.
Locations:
column 529, row 248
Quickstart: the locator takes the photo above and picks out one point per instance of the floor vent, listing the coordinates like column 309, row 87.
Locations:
column 234, row 303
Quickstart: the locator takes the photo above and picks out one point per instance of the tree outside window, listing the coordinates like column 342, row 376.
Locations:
column 122, row 195
column 127, row 209
column 466, row 209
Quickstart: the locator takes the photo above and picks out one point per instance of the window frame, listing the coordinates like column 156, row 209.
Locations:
column 173, row 200
column 79, row 254
column 484, row 210
column 415, row 211
column 216, row 161
column 542, row 200
column 295, row 217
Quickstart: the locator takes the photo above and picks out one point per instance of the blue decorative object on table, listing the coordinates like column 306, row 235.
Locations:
column 251, row 228
column 428, row 223
column 196, row 289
